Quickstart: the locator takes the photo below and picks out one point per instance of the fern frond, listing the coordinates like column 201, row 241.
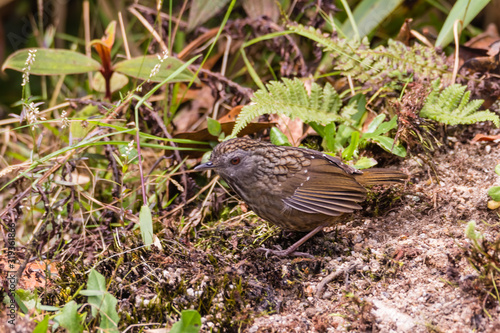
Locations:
column 290, row 98
column 452, row 106
column 356, row 59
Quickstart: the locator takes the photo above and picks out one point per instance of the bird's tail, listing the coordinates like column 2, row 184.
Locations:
column 378, row 176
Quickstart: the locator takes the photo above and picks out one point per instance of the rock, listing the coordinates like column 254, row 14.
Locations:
column 387, row 316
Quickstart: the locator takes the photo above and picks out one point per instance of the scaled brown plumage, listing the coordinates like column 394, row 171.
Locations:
column 295, row 188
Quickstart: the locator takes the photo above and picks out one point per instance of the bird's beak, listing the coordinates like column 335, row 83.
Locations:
column 205, row 166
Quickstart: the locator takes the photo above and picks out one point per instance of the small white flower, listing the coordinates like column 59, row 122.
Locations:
column 128, row 150
column 26, row 78
column 64, row 119
column 157, row 67
column 154, row 71
column 32, row 114
column 164, row 56
column 27, row 66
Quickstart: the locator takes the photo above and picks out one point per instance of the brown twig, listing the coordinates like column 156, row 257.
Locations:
column 333, row 276
column 244, row 93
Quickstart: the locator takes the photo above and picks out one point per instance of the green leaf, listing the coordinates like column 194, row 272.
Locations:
column 497, row 169
column 352, row 148
column 91, row 293
column 380, row 128
column 214, row 127
column 96, row 286
column 387, row 126
column 329, row 137
column 146, row 225
column 368, row 15
column 343, row 134
column 202, row 10
column 494, row 193
column 452, row 106
column 132, row 155
column 26, row 299
column 387, row 143
column 109, row 316
column 464, row 10
column 360, row 101
column 70, row 319
column 47, row 308
column 278, row 138
column 141, row 68
column 320, row 129
column 365, row 163
column 118, row 81
column 290, row 97
column 357, row 60
column 52, row 62
column 470, row 232
column 190, row 322
column 42, row 326
column 105, row 303
column 476, row 237
column 76, row 128
column 375, row 123
column 206, row 157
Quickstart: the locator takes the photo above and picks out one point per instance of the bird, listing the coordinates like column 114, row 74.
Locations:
column 297, row 189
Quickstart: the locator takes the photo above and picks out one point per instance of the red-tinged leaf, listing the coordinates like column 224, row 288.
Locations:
column 109, row 35
column 482, row 137
column 103, row 47
column 232, row 115
column 104, row 53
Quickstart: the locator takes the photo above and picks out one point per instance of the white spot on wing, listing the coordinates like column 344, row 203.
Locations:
column 308, row 177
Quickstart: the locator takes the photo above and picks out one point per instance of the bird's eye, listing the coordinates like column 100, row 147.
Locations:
column 235, row 161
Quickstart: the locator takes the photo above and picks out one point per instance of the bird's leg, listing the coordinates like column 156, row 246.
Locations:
column 291, row 249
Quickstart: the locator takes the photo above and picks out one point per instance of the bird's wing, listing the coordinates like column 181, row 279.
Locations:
column 325, row 188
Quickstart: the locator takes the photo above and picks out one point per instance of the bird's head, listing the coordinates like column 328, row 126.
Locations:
column 231, row 159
